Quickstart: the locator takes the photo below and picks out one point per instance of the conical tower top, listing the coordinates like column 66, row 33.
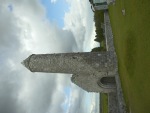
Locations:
column 26, row 62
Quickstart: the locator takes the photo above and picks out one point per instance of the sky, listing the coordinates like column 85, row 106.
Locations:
column 37, row 27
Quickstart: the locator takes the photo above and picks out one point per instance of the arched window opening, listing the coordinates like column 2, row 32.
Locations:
column 107, row 82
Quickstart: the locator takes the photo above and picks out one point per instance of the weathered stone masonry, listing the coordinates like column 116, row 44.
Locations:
column 87, row 68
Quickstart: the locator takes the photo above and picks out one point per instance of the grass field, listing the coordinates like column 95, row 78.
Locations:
column 104, row 102
column 132, row 43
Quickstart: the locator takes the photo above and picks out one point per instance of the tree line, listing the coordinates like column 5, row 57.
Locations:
column 99, row 25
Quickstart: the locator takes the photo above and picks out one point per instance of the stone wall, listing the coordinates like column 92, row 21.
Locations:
column 119, row 102
column 113, row 103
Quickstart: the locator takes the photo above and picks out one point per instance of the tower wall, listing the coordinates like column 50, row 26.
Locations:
column 90, row 83
column 71, row 63
column 88, row 68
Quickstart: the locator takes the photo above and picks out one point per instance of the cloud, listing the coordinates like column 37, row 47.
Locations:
column 26, row 30
column 75, row 100
column 53, row 1
column 41, row 93
column 94, row 108
column 79, row 20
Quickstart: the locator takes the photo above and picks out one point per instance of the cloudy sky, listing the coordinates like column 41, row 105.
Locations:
column 43, row 26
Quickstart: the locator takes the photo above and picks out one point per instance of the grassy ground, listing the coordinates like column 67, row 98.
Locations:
column 132, row 43
column 104, row 102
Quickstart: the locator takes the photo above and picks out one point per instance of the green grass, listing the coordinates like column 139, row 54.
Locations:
column 132, row 43
column 104, row 102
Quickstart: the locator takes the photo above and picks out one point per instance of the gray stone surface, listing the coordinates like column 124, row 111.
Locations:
column 113, row 103
column 87, row 68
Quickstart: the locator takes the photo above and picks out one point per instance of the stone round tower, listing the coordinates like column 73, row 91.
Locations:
column 93, row 72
